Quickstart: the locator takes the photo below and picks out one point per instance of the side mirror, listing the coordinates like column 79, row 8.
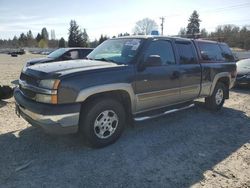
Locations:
column 152, row 61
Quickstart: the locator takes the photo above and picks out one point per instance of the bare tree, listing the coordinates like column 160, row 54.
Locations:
column 145, row 26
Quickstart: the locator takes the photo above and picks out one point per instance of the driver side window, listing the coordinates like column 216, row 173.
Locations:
column 162, row 48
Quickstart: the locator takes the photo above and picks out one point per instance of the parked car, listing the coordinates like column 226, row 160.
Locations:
column 62, row 54
column 122, row 79
column 243, row 72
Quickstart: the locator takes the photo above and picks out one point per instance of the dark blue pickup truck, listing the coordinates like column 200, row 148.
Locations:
column 138, row 78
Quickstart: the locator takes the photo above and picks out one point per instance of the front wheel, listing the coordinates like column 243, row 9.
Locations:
column 102, row 122
column 217, row 99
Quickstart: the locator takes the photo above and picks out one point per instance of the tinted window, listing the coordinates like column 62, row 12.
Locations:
column 210, row 51
column 163, row 49
column 85, row 52
column 226, row 53
column 186, row 53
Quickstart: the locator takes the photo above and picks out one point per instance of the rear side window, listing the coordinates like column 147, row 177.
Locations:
column 163, row 49
column 186, row 52
column 226, row 53
column 210, row 51
column 85, row 52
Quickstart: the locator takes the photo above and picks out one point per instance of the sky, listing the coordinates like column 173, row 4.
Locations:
column 111, row 17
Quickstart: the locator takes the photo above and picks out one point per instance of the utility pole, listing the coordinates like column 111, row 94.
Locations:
column 162, row 24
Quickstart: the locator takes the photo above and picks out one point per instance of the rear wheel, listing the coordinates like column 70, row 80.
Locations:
column 102, row 122
column 217, row 99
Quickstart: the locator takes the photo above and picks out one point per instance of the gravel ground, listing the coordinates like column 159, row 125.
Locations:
column 192, row 148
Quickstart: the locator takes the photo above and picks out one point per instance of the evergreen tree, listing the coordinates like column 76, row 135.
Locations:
column 102, row 38
column 182, row 32
column 45, row 34
column 62, row 43
column 85, row 38
column 22, row 40
column 193, row 26
column 77, row 38
column 38, row 37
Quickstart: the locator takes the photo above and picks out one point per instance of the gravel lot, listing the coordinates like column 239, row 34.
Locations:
column 192, row 148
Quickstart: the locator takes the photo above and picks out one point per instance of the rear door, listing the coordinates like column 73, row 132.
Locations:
column 189, row 68
column 158, row 86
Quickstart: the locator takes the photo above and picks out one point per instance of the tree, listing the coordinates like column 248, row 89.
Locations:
column 85, row 38
column 94, row 43
column 76, row 37
column 145, row 26
column 22, row 40
column 43, row 44
column 193, row 26
column 45, row 34
column 30, row 39
column 38, row 37
column 61, row 43
column 102, row 39
column 204, row 33
column 182, row 32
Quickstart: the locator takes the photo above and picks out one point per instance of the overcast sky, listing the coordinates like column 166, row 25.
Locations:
column 111, row 17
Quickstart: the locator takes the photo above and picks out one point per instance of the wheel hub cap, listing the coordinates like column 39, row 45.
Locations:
column 106, row 124
column 219, row 96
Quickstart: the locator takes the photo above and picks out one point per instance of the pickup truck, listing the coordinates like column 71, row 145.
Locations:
column 123, row 79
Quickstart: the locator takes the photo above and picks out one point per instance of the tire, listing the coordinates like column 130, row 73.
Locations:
column 6, row 92
column 102, row 122
column 217, row 99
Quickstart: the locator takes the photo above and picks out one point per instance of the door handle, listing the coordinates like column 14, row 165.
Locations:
column 176, row 75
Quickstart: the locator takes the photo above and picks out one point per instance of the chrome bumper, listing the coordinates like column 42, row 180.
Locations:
column 54, row 124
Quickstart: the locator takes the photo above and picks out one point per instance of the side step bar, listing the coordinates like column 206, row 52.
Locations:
column 163, row 113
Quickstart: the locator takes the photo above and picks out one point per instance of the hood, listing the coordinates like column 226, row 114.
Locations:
column 39, row 60
column 242, row 70
column 56, row 69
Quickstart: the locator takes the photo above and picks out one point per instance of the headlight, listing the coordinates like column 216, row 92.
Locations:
column 49, row 84
column 51, row 99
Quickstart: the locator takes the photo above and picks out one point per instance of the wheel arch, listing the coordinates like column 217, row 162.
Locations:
column 122, row 92
column 224, row 78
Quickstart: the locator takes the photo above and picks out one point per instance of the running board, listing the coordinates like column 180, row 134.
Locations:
column 164, row 113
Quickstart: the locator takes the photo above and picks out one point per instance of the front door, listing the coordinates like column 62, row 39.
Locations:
column 158, row 85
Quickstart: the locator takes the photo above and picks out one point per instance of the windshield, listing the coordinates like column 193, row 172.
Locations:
column 120, row 51
column 57, row 53
column 244, row 63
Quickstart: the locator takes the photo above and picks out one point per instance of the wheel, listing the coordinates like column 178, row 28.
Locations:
column 217, row 99
column 102, row 122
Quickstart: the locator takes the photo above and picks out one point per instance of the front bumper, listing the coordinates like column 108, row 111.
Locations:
column 54, row 119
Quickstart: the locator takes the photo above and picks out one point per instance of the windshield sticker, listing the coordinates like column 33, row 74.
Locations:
column 135, row 43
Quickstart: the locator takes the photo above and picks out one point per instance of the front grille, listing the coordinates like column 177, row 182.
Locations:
column 28, row 79
column 28, row 93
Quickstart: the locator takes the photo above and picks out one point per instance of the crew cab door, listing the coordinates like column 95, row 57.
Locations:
column 189, row 68
column 157, row 83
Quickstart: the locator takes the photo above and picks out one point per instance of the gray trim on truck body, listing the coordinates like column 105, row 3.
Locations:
column 148, row 88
